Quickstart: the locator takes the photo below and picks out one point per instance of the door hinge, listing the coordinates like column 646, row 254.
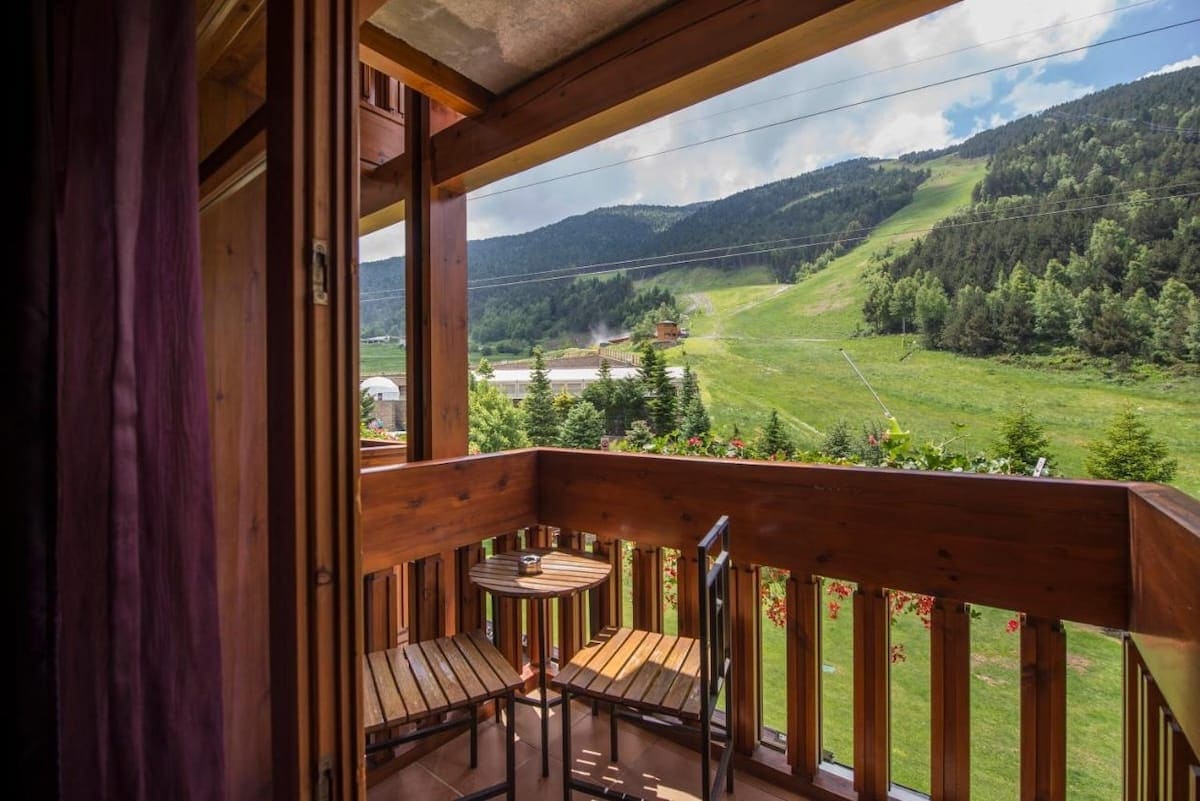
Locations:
column 318, row 270
column 323, row 787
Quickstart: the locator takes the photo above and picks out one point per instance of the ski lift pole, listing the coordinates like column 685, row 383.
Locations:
column 866, row 383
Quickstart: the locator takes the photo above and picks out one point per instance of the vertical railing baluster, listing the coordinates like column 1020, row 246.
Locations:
column 804, row 675
column 687, row 594
column 950, row 675
column 570, row 609
column 507, row 613
column 647, row 588
column 746, row 640
column 1132, row 741
column 606, row 609
column 1043, row 710
column 1151, row 700
column 425, row 599
column 536, row 537
column 872, row 746
column 470, row 611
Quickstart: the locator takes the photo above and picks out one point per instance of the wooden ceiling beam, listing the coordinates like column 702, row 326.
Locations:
column 367, row 9
column 381, row 195
column 681, row 55
column 221, row 24
column 422, row 72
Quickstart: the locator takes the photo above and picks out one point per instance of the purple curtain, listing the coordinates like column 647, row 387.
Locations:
column 139, row 665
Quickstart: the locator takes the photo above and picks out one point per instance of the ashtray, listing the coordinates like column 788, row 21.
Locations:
column 529, row 565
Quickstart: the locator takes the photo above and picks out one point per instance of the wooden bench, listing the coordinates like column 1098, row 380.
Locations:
column 660, row 674
column 422, row 681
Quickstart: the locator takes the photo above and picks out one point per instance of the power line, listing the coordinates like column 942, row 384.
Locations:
column 964, row 224
column 832, row 109
column 479, row 283
column 399, row 294
column 1154, row 126
column 669, row 124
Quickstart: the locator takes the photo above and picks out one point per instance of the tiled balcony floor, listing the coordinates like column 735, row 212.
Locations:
column 650, row 766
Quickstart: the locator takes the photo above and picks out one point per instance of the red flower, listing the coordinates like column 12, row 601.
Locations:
column 871, row 440
column 834, row 608
column 737, row 443
column 694, row 442
column 898, row 654
column 1012, row 625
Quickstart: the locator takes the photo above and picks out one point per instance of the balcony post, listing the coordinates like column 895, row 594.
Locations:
column 746, row 641
column 950, row 676
column 872, row 744
column 687, row 593
column 1043, row 710
column 804, row 675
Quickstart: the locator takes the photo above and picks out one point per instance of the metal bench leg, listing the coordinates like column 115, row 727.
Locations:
column 510, row 751
column 612, row 730
column 474, row 736
column 566, row 744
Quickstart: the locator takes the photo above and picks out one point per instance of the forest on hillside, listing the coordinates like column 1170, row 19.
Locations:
column 816, row 213
column 1084, row 232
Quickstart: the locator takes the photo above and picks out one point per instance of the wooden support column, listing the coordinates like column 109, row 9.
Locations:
column 872, row 747
column 315, row 550
column 647, row 588
column 606, row 599
column 507, row 613
column 570, row 610
column 436, row 328
column 804, row 675
column 1043, row 710
column 687, row 593
column 950, row 697
column 746, row 624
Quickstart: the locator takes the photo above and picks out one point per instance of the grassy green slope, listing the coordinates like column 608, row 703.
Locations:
column 758, row 345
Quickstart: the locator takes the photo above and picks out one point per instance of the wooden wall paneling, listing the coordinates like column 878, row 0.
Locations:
column 1043, row 710
column 508, row 613
column 950, row 695
column 687, row 592
column 424, row 508
column 647, row 588
column 804, row 675
column 747, row 663
column 233, row 262
column 1165, row 607
column 872, row 660
column 313, row 429
column 941, row 534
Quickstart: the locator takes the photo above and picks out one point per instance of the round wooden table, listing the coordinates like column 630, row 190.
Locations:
column 564, row 573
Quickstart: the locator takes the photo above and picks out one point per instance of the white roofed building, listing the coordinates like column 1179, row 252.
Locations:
column 573, row 381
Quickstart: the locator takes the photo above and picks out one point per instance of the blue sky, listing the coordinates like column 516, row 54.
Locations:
column 930, row 118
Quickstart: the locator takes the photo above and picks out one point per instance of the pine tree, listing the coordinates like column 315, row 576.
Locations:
column 583, row 427
column 541, row 423
column 602, row 394
column 1015, row 311
column 639, row 435
column 1139, row 312
column 366, row 408
column 838, row 443
column 1129, row 451
column 774, row 441
column 696, row 422
column 659, row 391
column 1023, row 440
column 969, row 327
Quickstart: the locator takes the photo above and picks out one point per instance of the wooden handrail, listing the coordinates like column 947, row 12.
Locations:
column 992, row 540
column 1125, row 556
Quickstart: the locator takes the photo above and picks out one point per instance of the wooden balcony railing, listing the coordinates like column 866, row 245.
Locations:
column 1121, row 556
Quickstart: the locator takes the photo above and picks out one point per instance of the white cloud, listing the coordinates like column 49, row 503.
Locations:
column 1193, row 61
column 976, row 35
column 382, row 244
column 1032, row 96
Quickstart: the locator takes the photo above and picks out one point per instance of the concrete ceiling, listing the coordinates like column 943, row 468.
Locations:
column 502, row 43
